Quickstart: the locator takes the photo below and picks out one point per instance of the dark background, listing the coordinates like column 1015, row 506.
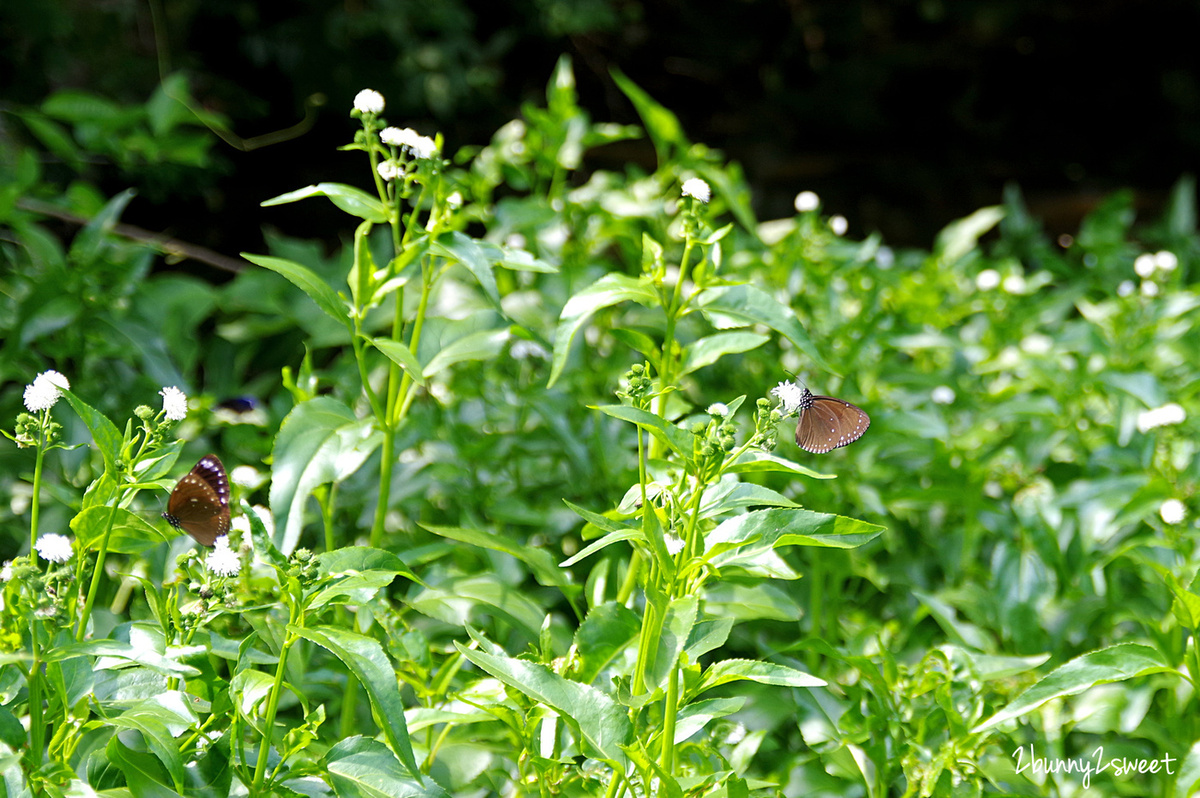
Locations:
column 901, row 115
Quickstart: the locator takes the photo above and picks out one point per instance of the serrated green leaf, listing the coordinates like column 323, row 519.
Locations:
column 609, row 290
column 307, row 281
column 679, row 440
column 365, row 657
column 353, row 201
column 743, row 305
column 602, row 725
column 1113, row 664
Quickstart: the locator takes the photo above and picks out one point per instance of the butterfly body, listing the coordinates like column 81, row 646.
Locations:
column 827, row 423
column 199, row 505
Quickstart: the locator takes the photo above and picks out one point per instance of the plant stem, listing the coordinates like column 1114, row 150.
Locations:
column 99, row 570
column 260, row 770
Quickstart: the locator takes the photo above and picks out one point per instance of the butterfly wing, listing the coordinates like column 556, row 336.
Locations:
column 827, row 424
column 199, row 505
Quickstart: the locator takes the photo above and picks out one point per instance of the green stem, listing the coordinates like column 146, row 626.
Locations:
column 670, row 709
column 260, row 770
column 98, row 572
column 37, row 728
column 387, row 461
column 34, row 507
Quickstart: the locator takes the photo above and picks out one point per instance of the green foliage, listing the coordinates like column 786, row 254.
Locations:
column 527, row 586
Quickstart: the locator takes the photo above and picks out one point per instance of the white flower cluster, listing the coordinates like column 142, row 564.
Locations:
column 807, row 201
column 790, row 395
column 174, row 403
column 223, row 561
column 1164, row 416
column 697, row 188
column 53, row 547
column 368, row 101
column 1173, row 511
column 43, row 392
column 420, row 146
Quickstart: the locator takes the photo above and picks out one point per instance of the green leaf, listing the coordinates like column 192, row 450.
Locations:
column 679, row 440
column 458, row 600
column 157, row 738
column 365, row 658
column 355, row 574
column 672, row 637
column 131, row 534
column 307, row 281
column 463, row 249
column 742, row 539
column 482, row 345
column 962, row 235
column 1113, row 664
column 319, row 442
column 609, row 290
column 732, row 670
column 606, row 631
column 402, row 356
column 754, row 461
column 662, row 125
column 603, row 543
column 743, row 305
column 144, row 773
column 359, row 767
column 353, row 201
column 540, row 561
column 710, row 349
column 105, row 434
column 601, row 724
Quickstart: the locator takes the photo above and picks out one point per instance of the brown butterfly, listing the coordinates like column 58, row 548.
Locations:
column 199, row 505
column 827, row 423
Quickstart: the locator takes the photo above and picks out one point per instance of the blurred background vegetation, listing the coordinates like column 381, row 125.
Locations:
column 901, row 114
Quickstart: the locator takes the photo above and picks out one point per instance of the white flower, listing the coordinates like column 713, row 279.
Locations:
column 523, row 350
column 674, row 544
column 1144, row 265
column 420, row 146
column 1014, row 284
column 1125, row 288
column 515, row 241
column 399, row 137
column 389, row 169
column 838, row 225
column 223, row 561
column 789, row 394
column 1166, row 260
column 807, row 201
column 1149, row 288
column 987, row 279
column 6, row 571
column 885, row 258
column 719, row 409
column 174, row 403
column 423, row 147
column 43, row 392
column 1037, row 344
column 247, row 477
column 368, row 101
column 942, row 395
column 695, row 187
column 1166, row 415
column 1173, row 511
column 53, row 547
column 455, row 200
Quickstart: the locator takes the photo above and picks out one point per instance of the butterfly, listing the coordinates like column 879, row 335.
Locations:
column 199, row 505
column 827, row 423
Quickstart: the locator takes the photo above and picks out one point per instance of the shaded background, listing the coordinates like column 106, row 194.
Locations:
column 901, row 115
